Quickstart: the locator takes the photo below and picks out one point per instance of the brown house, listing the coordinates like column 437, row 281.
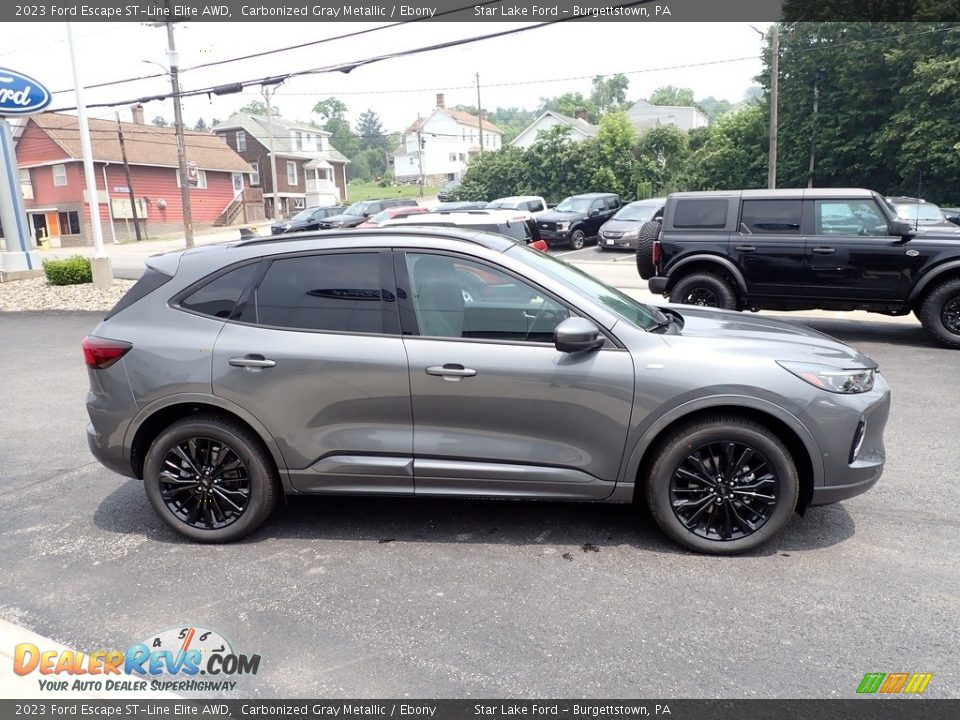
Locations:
column 310, row 171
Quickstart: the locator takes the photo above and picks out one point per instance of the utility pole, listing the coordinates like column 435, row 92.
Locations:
column 420, row 152
column 813, row 129
column 267, row 92
column 774, row 100
column 480, row 113
column 126, row 172
column 181, row 147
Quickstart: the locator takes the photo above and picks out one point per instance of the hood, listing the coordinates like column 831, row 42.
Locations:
column 555, row 216
column 345, row 219
column 937, row 229
column 761, row 335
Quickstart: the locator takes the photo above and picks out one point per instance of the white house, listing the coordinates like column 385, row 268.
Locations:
column 644, row 116
column 580, row 129
column 440, row 145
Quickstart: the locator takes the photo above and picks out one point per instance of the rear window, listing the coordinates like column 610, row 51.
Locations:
column 701, row 214
column 148, row 282
column 780, row 217
column 218, row 297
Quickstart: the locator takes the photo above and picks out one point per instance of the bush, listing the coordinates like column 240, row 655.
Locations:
column 74, row 270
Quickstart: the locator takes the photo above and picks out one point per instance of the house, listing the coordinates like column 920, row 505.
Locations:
column 580, row 129
column 54, row 187
column 310, row 171
column 643, row 116
column 440, row 145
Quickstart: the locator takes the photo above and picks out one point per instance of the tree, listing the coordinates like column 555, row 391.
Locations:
column 160, row 121
column 330, row 108
column 371, row 132
column 334, row 115
column 609, row 95
column 201, row 125
column 616, row 163
column 258, row 107
column 714, row 108
column 495, row 174
column 670, row 95
column 733, row 153
column 568, row 104
column 668, row 148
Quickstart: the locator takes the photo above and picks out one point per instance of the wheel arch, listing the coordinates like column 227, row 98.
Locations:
column 945, row 271
column 803, row 448
column 703, row 262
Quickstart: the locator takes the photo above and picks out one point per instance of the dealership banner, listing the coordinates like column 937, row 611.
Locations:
column 482, row 11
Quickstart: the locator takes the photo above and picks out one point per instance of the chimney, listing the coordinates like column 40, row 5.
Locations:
column 440, row 102
column 580, row 114
column 137, row 112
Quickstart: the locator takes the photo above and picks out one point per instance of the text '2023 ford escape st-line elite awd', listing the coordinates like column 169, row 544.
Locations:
column 449, row 362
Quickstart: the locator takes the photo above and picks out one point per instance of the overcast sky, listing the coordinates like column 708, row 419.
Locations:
column 545, row 62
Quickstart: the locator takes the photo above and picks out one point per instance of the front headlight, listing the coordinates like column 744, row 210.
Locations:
column 563, row 226
column 831, row 379
column 631, row 234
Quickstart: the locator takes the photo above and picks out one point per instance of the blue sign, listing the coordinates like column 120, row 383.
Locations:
column 21, row 94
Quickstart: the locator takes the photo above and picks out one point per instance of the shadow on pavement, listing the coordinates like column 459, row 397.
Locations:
column 861, row 331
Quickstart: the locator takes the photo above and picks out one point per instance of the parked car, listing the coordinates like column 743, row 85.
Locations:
column 577, row 219
column 530, row 203
column 362, row 363
column 360, row 211
column 458, row 205
column 951, row 214
column 517, row 224
column 815, row 248
column 390, row 213
column 623, row 229
column 308, row 219
column 924, row 217
column 448, row 191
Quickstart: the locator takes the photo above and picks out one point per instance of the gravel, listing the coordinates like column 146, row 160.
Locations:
column 37, row 294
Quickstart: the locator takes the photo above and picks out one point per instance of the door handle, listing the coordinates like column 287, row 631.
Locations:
column 824, row 250
column 746, row 248
column 252, row 362
column 451, row 371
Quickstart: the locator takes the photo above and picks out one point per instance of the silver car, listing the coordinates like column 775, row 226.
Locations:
column 448, row 362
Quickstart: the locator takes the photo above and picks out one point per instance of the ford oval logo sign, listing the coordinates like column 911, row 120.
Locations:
column 20, row 94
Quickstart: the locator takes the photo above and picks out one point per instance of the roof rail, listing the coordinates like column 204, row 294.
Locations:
column 477, row 237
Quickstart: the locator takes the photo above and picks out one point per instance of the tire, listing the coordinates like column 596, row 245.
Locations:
column 649, row 232
column 705, row 289
column 940, row 313
column 174, row 505
column 577, row 239
column 753, row 521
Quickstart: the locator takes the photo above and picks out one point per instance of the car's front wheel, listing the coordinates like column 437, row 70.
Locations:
column 940, row 313
column 210, row 479
column 577, row 239
column 723, row 485
column 705, row 289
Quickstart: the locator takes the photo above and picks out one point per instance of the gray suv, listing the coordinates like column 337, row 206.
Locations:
column 359, row 362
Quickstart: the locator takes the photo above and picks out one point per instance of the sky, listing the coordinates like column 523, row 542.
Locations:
column 514, row 71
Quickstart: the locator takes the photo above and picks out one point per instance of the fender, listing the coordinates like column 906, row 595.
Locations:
column 719, row 260
column 932, row 274
column 186, row 398
column 628, row 472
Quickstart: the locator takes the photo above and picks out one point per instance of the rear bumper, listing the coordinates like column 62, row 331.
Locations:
column 110, row 456
column 657, row 285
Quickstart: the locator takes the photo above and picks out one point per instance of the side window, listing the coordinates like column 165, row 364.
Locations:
column 765, row 217
column 849, row 217
column 596, row 205
column 700, row 213
column 219, row 296
column 332, row 292
column 459, row 298
column 612, row 203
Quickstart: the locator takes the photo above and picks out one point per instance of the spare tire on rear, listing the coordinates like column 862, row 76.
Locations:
column 649, row 232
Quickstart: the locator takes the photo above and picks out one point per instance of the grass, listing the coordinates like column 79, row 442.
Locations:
column 372, row 191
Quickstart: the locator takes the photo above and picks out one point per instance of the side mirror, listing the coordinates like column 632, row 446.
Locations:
column 576, row 334
column 901, row 228
column 954, row 218
column 594, row 212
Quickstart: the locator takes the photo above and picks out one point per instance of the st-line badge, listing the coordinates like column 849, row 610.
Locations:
column 170, row 661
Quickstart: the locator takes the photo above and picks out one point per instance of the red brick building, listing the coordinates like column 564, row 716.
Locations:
column 54, row 187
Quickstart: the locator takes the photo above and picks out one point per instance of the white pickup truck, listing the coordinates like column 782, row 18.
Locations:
column 530, row 203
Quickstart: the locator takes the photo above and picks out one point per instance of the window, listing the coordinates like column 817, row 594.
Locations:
column 780, row 217
column 334, row 293
column 291, row 173
column 458, row 298
column 596, row 205
column 69, row 222
column 59, row 175
column 241, row 140
column 201, row 180
column 611, row 203
column 255, row 175
column 849, row 217
column 453, row 157
column 219, row 296
column 701, row 213
column 26, row 188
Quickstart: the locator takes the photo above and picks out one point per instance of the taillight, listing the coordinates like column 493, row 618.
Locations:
column 99, row 353
column 539, row 245
column 656, row 253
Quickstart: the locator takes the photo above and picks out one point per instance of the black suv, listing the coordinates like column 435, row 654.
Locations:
column 308, row 219
column 829, row 249
column 577, row 218
column 360, row 211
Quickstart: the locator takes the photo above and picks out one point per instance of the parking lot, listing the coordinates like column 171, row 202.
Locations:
column 395, row 597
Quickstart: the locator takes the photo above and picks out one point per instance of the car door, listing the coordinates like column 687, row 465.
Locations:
column 769, row 247
column 497, row 409
column 595, row 217
column 316, row 355
column 849, row 252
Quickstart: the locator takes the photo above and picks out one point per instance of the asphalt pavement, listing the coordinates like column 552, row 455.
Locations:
column 458, row 598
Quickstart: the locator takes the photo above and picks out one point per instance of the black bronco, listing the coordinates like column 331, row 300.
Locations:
column 806, row 249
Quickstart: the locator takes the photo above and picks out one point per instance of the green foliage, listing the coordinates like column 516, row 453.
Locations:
column 366, row 165
column 259, row 107
column 609, row 95
column 730, row 155
column 342, row 137
column 330, row 108
column 371, row 133
column 568, row 104
column 667, row 148
column 511, row 120
column 74, row 270
column 159, row 121
column 201, row 124
column 670, row 95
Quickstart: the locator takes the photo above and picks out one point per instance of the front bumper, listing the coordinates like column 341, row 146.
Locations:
column 615, row 243
column 657, row 285
column 829, row 494
column 553, row 237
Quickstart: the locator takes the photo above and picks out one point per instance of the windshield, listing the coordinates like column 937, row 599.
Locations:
column 303, row 215
column 380, row 217
column 574, row 205
column 636, row 211
column 358, row 208
column 925, row 213
column 633, row 311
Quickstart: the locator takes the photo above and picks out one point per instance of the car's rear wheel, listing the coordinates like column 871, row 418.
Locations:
column 577, row 239
column 704, row 289
column 940, row 313
column 723, row 485
column 210, row 479
column 649, row 232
